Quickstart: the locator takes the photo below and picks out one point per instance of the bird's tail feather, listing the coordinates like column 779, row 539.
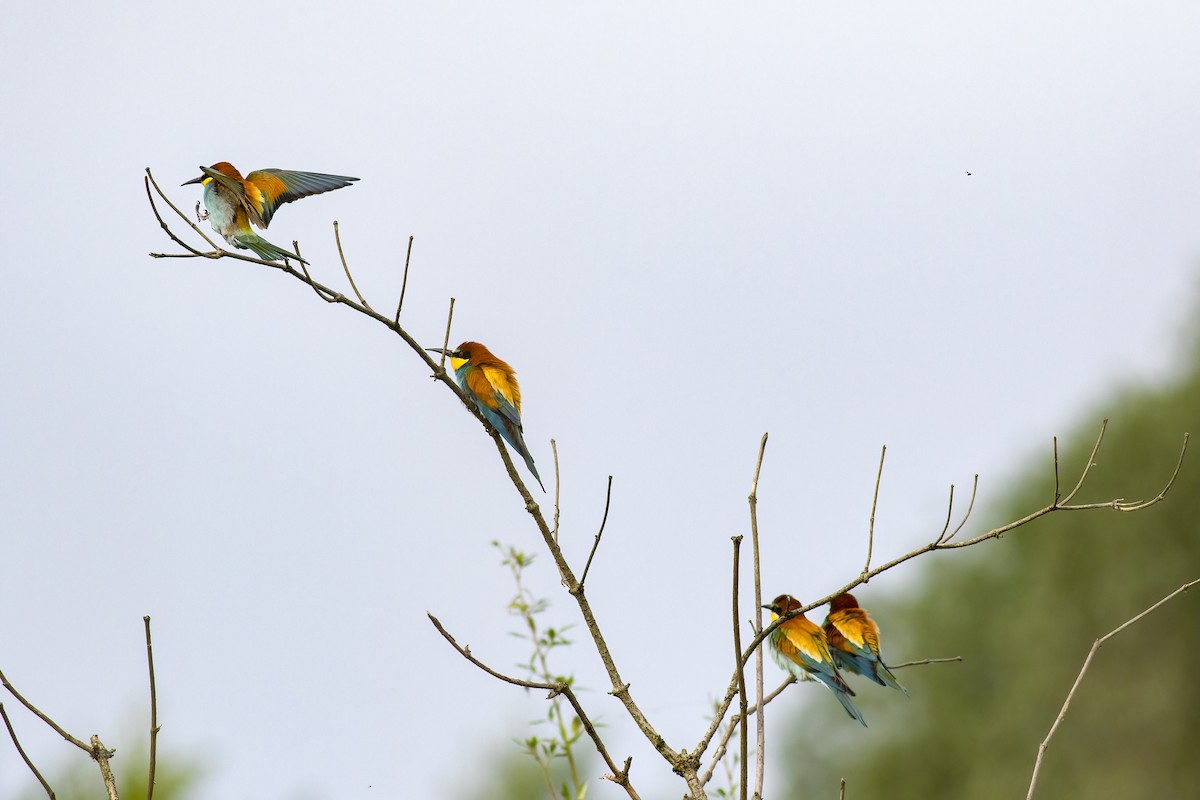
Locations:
column 885, row 676
column 851, row 709
column 265, row 250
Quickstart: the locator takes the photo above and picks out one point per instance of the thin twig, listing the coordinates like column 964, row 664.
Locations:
column 446, row 338
column 13, row 735
column 842, row 790
column 182, row 216
column 949, row 513
column 102, row 754
column 970, row 507
column 337, row 237
column 599, row 533
column 620, row 777
column 557, row 488
column 1057, row 491
column 871, row 525
column 759, row 725
column 153, row 713
column 1091, row 462
column 37, row 712
column 1096, row 645
column 925, row 661
column 404, row 283
column 743, row 729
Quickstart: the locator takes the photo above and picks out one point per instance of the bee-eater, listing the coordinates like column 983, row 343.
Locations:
column 234, row 202
column 491, row 385
column 853, row 639
column 798, row 646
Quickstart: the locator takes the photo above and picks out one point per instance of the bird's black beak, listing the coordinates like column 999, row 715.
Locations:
column 194, row 180
column 447, row 353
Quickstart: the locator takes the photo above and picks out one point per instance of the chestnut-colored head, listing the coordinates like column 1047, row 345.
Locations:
column 842, row 602
column 783, row 604
column 226, row 169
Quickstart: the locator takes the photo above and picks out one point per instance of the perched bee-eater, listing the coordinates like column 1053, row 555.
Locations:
column 853, row 639
column 234, row 202
column 798, row 646
column 491, row 385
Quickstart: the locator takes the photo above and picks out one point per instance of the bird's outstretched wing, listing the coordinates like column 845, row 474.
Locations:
column 268, row 189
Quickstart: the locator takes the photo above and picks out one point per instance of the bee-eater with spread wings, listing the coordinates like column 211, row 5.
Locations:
column 234, row 202
column 491, row 385
column 853, row 639
column 798, row 646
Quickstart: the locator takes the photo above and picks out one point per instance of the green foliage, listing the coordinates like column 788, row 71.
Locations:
column 1023, row 612
column 557, row 748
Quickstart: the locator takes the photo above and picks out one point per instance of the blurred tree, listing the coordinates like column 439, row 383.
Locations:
column 1023, row 612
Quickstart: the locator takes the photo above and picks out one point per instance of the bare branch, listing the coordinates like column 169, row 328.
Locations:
column 603, row 522
column 153, row 713
column 337, row 237
column 404, row 283
column 37, row 712
column 871, row 525
column 1087, row 662
column 940, row 544
column 619, row 776
column 13, row 735
column 842, row 790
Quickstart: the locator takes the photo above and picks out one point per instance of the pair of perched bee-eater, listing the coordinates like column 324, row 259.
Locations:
column 234, row 203
column 849, row 640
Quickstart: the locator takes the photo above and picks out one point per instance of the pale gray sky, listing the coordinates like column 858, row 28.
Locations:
column 684, row 224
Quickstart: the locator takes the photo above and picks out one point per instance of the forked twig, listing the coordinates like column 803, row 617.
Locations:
column 1087, row 662
column 618, row 776
column 970, row 507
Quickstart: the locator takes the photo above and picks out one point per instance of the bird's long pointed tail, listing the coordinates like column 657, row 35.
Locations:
column 851, row 709
column 264, row 249
column 529, row 463
column 886, row 677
